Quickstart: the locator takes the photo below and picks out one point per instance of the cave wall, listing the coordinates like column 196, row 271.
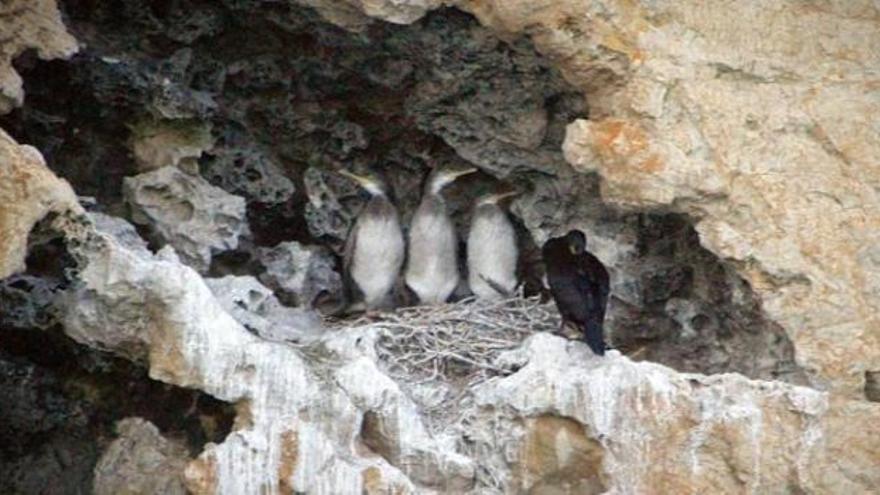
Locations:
column 659, row 171
column 263, row 100
column 757, row 141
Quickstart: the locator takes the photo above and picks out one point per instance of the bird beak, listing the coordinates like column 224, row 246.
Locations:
column 357, row 178
column 507, row 194
column 466, row 171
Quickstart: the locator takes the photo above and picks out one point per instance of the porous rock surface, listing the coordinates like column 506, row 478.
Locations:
column 29, row 192
column 186, row 212
column 157, row 145
column 771, row 146
column 754, row 145
column 294, row 429
column 759, row 145
column 329, row 421
column 300, row 272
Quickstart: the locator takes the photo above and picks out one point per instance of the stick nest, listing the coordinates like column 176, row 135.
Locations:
column 439, row 354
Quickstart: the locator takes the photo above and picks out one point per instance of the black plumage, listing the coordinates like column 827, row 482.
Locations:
column 579, row 284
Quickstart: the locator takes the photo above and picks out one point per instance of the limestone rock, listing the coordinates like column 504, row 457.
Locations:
column 325, row 214
column 29, row 24
column 300, row 272
column 285, row 439
column 501, row 109
column 673, row 302
column 28, row 192
column 643, row 428
column 167, row 144
column 566, row 422
column 244, row 169
column 186, row 212
column 38, row 412
column 326, row 419
column 122, row 231
column 26, row 302
column 769, row 148
column 141, row 462
column 255, row 307
column 756, row 142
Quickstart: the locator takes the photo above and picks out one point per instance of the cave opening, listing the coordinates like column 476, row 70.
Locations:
column 271, row 96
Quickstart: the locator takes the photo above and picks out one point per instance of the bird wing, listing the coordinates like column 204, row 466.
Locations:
column 348, row 259
column 350, row 244
column 593, row 270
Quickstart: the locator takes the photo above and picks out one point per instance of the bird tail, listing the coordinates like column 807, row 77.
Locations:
column 594, row 336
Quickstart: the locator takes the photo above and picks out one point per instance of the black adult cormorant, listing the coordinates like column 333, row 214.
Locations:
column 432, row 263
column 579, row 284
column 374, row 250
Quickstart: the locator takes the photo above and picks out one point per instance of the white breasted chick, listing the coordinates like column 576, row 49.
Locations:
column 432, row 262
column 375, row 248
column 492, row 252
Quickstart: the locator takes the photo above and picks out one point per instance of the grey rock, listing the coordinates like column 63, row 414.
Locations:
column 351, row 135
column 248, row 171
column 27, row 302
column 141, row 461
column 259, row 73
column 121, row 230
column 193, row 340
column 495, row 105
column 331, row 207
column 256, row 308
column 194, row 23
column 300, row 272
column 187, row 212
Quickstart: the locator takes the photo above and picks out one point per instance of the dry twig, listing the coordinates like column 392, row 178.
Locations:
column 439, row 354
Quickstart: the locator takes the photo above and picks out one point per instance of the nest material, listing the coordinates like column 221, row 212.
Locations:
column 439, row 354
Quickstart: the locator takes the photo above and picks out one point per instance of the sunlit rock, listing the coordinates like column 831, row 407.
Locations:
column 28, row 192
column 29, row 24
column 758, row 142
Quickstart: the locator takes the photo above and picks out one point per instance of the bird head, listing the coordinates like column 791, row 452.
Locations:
column 577, row 241
column 371, row 180
column 447, row 174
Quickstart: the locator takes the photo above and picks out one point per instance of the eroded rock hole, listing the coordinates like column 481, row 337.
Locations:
column 265, row 97
column 872, row 386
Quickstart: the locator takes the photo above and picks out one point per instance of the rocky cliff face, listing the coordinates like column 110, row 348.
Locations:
column 759, row 125
column 710, row 152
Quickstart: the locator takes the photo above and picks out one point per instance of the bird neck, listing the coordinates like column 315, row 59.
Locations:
column 432, row 203
column 436, row 184
column 375, row 190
